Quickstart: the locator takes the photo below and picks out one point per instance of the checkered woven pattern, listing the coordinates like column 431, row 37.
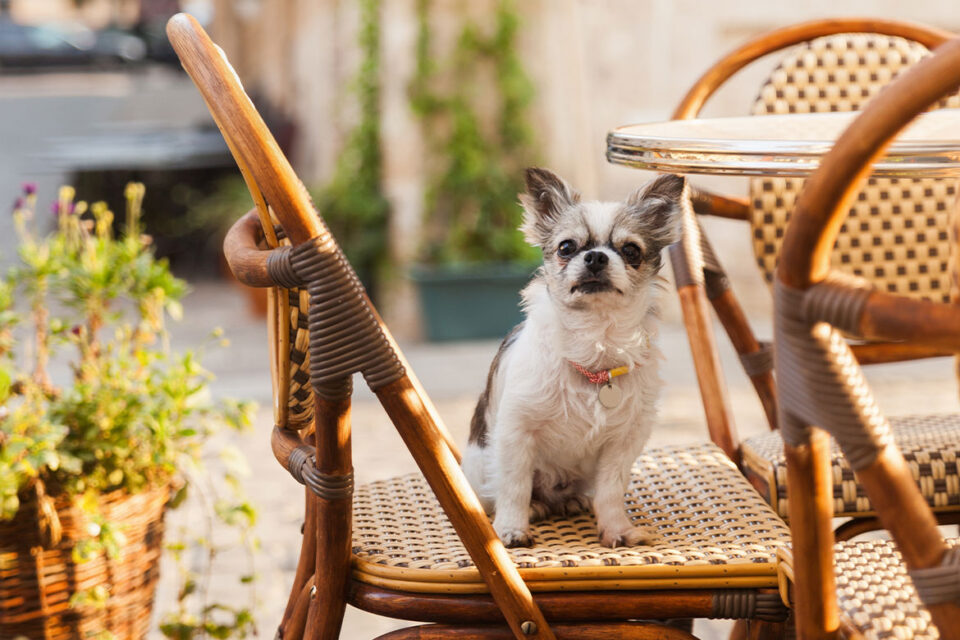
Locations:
column 703, row 510
column 876, row 594
column 897, row 232
column 930, row 444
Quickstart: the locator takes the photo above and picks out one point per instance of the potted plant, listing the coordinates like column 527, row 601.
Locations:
column 102, row 429
column 474, row 260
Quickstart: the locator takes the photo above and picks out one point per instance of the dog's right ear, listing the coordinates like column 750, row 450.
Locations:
column 546, row 198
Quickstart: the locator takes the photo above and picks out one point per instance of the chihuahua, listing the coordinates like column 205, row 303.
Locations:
column 571, row 396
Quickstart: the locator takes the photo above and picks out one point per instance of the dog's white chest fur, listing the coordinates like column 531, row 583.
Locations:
column 551, row 403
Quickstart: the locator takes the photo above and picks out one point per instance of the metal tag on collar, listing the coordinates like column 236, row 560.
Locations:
column 609, row 395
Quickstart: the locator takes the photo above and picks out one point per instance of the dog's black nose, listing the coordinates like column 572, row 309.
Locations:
column 595, row 261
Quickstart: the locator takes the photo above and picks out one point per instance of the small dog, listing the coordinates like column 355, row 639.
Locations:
column 571, row 395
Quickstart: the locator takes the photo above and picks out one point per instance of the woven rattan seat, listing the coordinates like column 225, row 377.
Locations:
column 930, row 444
column 873, row 590
column 714, row 532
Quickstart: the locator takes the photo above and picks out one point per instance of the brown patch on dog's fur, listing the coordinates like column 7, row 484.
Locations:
column 478, row 424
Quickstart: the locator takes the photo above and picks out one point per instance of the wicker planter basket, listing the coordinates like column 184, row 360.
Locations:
column 38, row 578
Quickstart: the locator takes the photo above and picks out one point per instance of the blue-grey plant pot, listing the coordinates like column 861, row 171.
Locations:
column 470, row 302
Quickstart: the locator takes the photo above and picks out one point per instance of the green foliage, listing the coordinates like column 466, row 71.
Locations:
column 352, row 203
column 133, row 415
column 471, row 209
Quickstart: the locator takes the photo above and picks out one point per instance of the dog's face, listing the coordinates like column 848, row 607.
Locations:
column 600, row 253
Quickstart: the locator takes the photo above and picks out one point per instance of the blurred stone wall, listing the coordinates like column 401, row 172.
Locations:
column 596, row 64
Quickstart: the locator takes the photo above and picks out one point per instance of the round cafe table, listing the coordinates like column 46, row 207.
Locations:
column 781, row 145
column 788, row 145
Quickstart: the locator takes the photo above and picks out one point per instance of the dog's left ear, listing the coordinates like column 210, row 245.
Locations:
column 659, row 205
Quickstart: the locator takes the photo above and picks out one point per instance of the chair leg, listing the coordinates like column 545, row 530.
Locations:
column 687, row 260
column 735, row 323
column 706, row 363
column 739, row 630
column 811, row 495
column 294, row 626
column 305, row 566
column 763, row 630
column 334, row 521
column 595, row 631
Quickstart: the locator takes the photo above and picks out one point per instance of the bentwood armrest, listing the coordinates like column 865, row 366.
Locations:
column 246, row 259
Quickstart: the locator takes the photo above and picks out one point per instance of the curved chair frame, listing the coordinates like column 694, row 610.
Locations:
column 347, row 336
column 699, row 276
column 817, row 375
column 317, row 263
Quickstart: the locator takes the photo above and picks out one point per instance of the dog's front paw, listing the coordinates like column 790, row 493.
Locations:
column 514, row 537
column 627, row 537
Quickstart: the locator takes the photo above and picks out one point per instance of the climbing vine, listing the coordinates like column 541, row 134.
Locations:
column 352, row 202
column 475, row 164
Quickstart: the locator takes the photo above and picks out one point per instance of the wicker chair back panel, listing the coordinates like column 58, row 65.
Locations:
column 897, row 233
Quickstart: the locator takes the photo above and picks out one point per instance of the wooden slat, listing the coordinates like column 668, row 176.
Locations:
column 713, row 390
column 560, row 606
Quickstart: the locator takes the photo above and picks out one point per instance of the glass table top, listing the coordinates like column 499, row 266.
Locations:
column 781, row 145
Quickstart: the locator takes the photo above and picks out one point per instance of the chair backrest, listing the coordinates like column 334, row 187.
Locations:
column 346, row 336
column 896, row 234
column 797, row 84
column 820, row 382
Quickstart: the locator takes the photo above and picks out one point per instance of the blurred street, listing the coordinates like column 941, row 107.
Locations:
column 55, row 124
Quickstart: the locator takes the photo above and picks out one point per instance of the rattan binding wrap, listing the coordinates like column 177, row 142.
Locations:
column 929, row 443
column 688, row 261
column 875, row 593
column 896, row 234
column 36, row 581
column 715, row 531
column 819, row 381
column 345, row 335
column 940, row 584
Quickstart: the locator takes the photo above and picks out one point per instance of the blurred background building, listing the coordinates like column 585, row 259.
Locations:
column 120, row 108
column 410, row 120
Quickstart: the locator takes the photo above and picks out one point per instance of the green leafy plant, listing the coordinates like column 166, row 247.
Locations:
column 353, row 203
column 130, row 414
column 476, row 167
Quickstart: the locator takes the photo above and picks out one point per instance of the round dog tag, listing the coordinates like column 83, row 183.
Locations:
column 609, row 395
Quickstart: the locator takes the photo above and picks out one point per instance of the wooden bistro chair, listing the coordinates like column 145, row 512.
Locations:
column 420, row 547
column 896, row 236
column 869, row 593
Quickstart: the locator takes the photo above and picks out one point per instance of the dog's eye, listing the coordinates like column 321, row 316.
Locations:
column 567, row 248
column 631, row 252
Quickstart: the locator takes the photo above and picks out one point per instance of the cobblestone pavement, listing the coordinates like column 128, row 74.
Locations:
column 453, row 375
